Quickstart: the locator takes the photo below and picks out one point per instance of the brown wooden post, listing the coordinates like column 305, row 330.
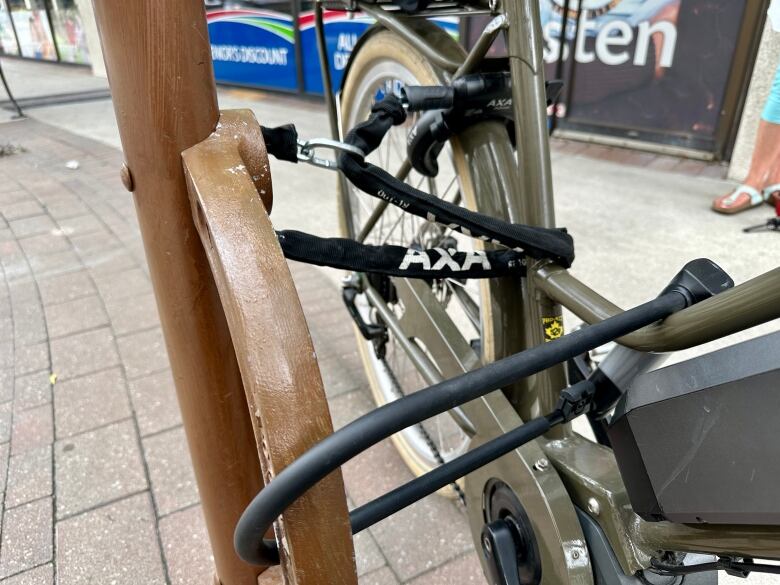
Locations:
column 158, row 60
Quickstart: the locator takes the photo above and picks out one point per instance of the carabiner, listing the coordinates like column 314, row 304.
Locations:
column 307, row 149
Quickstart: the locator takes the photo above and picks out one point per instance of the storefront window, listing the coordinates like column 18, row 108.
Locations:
column 8, row 44
column 652, row 66
column 649, row 70
column 33, row 29
column 69, row 31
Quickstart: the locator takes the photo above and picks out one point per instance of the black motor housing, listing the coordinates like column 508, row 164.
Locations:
column 696, row 442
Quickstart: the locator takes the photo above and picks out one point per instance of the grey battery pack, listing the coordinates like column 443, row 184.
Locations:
column 697, row 441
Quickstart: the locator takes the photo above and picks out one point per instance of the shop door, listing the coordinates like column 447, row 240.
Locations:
column 669, row 72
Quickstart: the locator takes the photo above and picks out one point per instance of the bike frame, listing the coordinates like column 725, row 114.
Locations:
column 585, row 476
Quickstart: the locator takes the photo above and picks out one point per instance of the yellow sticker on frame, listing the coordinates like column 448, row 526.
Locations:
column 553, row 327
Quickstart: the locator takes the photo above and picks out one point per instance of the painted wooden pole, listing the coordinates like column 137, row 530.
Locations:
column 159, row 66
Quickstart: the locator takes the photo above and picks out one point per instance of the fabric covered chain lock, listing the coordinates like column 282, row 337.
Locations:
column 397, row 260
column 517, row 240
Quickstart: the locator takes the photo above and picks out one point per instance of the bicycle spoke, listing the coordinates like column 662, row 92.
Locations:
column 392, row 229
column 447, row 190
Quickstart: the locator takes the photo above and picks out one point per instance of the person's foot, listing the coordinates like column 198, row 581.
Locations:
column 772, row 194
column 742, row 198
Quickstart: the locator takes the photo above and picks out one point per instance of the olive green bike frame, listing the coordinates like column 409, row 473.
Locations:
column 553, row 475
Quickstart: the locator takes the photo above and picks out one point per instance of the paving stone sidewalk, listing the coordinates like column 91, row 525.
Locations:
column 95, row 477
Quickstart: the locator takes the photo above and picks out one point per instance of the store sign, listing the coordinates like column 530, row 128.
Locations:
column 342, row 32
column 253, row 47
column 256, row 47
column 615, row 43
column 644, row 66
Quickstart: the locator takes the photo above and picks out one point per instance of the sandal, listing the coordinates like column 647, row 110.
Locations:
column 742, row 198
column 772, row 194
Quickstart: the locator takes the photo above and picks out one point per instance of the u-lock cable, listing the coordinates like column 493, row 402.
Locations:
column 699, row 279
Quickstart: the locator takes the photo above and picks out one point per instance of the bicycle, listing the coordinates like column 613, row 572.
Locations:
column 559, row 510
column 399, row 52
column 453, row 327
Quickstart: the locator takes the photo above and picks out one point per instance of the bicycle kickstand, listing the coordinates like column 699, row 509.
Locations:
column 771, row 225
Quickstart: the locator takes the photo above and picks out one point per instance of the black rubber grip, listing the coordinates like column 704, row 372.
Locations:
column 428, row 97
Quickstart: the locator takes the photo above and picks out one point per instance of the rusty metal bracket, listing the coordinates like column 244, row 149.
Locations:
column 230, row 191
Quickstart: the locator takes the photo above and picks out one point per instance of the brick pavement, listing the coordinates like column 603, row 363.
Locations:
column 95, row 475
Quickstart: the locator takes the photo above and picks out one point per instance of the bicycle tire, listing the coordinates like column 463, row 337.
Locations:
column 382, row 47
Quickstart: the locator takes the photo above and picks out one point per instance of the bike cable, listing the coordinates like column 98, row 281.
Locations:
column 333, row 451
column 739, row 568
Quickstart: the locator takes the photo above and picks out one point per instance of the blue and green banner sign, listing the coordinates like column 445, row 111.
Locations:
column 256, row 47
column 253, row 47
column 342, row 32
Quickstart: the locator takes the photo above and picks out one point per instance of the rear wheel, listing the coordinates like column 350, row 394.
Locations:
column 384, row 64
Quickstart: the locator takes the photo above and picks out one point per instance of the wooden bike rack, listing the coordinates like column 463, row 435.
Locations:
column 246, row 375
